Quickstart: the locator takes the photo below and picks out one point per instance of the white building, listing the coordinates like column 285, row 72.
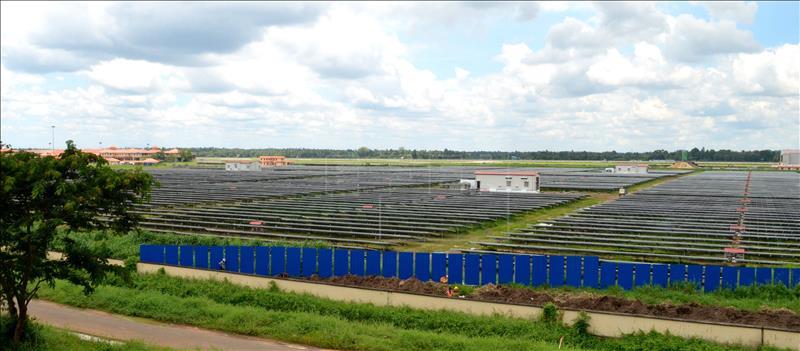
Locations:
column 790, row 157
column 636, row 169
column 507, row 181
column 242, row 166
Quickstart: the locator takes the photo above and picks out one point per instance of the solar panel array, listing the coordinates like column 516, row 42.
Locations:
column 377, row 217
column 690, row 218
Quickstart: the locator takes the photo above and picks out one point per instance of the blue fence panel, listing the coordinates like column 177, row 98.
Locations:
column 574, row 271
column 642, row 275
column 712, row 278
column 422, row 266
column 246, row 259
column 201, row 256
column 389, row 264
column 438, row 266
column 522, row 269
column 341, row 262
column 556, row 271
column 232, row 258
column 405, row 267
column 472, row 269
column 171, row 255
column 357, row 262
column 694, row 274
column 217, row 254
column 151, row 254
column 539, row 277
column 455, row 268
column 795, row 277
column 660, row 275
column 293, row 261
column 488, row 269
column 309, row 261
column 187, row 256
column 325, row 263
column 608, row 274
column 781, row 276
column 747, row 275
column 262, row 260
column 505, row 269
column 763, row 275
column 373, row 263
column 591, row 271
column 625, row 275
column 277, row 260
column 730, row 277
column 677, row 273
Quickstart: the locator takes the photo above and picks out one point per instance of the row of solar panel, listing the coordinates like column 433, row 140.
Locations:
column 468, row 268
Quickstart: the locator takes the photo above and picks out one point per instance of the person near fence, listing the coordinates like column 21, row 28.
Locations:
column 222, row 264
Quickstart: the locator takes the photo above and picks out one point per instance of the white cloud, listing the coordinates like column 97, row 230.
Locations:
column 625, row 77
column 771, row 72
column 137, row 76
column 692, row 39
column 738, row 11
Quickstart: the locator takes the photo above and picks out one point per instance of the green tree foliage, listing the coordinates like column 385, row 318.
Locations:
column 363, row 152
column 186, row 155
column 45, row 199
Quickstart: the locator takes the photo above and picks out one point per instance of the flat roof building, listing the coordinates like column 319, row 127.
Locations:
column 790, row 160
column 273, row 161
column 247, row 166
column 527, row 182
column 632, row 168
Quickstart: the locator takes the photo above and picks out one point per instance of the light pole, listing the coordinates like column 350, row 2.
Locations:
column 53, row 137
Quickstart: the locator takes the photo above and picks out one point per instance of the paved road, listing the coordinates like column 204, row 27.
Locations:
column 111, row 326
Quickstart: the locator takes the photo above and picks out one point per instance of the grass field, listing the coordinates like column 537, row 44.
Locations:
column 46, row 338
column 325, row 323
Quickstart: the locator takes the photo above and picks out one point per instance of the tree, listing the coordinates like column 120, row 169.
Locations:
column 185, row 155
column 45, row 199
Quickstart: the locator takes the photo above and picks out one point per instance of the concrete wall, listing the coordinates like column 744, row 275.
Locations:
column 601, row 324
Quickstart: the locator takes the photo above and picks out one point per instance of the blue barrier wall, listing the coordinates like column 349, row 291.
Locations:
column 468, row 268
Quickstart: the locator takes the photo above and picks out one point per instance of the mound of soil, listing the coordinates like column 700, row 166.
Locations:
column 780, row 318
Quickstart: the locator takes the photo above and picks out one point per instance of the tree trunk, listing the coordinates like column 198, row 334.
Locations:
column 22, row 318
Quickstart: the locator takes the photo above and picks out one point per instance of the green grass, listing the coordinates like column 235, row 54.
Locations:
column 753, row 298
column 502, row 226
column 46, row 338
column 324, row 323
column 126, row 246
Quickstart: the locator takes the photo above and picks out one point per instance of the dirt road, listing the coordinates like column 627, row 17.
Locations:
column 111, row 326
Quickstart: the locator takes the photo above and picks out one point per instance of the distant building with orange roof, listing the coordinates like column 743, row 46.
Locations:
column 273, row 161
column 115, row 155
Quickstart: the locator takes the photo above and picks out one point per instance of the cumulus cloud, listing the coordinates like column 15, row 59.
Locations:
column 692, row 39
column 179, row 32
column 623, row 76
column 738, row 11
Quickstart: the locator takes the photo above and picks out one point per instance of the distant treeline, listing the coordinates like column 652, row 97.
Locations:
column 363, row 152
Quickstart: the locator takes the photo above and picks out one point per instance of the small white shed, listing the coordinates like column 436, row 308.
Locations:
column 242, row 166
column 507, row 181
column 636, row 169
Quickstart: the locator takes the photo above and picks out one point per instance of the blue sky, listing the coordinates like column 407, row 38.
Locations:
column 472, row 76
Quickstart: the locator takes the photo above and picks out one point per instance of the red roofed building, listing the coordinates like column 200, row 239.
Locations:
column 114, row 155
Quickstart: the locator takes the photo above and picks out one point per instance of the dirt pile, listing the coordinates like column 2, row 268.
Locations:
column 784, row 319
